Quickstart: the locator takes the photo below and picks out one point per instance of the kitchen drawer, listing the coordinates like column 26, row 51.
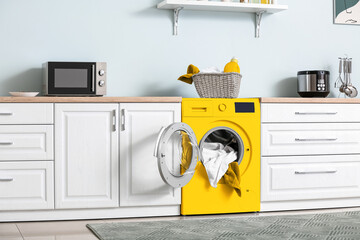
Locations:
column 26, row 185
column 290, row 112
column 26, row 113
column 26, row 142
column 310, row 139
column 310, row 177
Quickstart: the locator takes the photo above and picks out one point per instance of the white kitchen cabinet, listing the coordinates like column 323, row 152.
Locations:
column 86, row 156
column 26, row 185
column 310, row 156
column 140, row 181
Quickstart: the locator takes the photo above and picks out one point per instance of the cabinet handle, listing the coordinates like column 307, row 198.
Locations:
column 114, row 120
column 123, row 119
column 6, row 143
column 315, row 172
column 6, row 114
column 314, row 139
column 315, row 113
column 6, row 179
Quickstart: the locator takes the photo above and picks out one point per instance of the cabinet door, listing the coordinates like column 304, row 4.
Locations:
column 86, row 153
column 294, row 139
column 310, row 177
column 140, row 181
column 26, row 185
column 26, row 142
column 309, row 113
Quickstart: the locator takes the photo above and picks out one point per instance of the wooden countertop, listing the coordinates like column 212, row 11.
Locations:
column 308, row 100
column 90, row 99
column 44, row 99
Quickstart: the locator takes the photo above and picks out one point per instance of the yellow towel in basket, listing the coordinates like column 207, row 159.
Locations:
column 232, row 177
column 190, row 72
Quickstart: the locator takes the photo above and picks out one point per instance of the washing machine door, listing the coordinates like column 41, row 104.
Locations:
column 177, row 154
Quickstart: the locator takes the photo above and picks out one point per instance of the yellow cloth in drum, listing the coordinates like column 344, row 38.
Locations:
column 232, row 177
column 186, row 153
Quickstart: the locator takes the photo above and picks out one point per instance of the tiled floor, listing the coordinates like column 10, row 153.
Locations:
column 77, row 230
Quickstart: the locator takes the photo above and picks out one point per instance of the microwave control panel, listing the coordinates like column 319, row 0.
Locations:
column 101, row 78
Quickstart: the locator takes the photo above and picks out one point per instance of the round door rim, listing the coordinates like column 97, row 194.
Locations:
column 166, row 175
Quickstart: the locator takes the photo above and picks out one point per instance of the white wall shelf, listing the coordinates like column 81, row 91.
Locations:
column 258, row 9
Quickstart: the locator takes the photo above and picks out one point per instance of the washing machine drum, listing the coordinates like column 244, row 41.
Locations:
column 226, row 138
column 177, row 150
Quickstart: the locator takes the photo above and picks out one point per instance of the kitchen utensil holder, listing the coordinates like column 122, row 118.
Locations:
column 217, row 85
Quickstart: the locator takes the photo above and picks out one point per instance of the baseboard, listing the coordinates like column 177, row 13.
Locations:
column 78, row 214
column 309, row 204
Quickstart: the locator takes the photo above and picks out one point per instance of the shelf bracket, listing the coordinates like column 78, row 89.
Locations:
column 258, row 22
column 176, row 19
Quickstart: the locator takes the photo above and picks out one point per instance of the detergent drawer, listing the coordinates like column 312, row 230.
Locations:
column 310, row 139
column 197, row 108
column 310, row 177
column 292, row 112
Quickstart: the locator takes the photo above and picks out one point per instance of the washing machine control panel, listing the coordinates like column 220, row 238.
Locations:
column 244, row 107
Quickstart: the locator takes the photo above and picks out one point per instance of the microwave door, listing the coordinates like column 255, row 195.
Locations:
column 71, row 78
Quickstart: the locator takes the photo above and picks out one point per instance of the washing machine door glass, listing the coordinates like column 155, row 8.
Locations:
column 177, row 153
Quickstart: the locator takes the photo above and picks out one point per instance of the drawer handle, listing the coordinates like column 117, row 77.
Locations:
column 314, row 139
column 6, row 179
column 315, row 113
column 315, row 172
column 6, row 143
column 6, row 114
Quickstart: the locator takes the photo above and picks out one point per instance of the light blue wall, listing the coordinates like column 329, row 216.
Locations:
column 143, row 57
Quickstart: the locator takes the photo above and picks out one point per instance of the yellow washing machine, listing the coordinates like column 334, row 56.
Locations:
column 234, row 122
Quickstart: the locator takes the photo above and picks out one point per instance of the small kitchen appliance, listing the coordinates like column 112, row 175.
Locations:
column 313, row 83
column 74, row 78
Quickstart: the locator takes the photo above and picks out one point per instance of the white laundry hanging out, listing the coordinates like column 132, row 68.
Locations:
column 216, row 160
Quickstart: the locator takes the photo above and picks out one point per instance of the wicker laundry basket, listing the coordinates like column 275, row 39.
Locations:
column 217, row 85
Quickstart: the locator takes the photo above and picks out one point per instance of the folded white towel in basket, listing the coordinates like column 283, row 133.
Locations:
column 216, row 160
column 210, row 70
